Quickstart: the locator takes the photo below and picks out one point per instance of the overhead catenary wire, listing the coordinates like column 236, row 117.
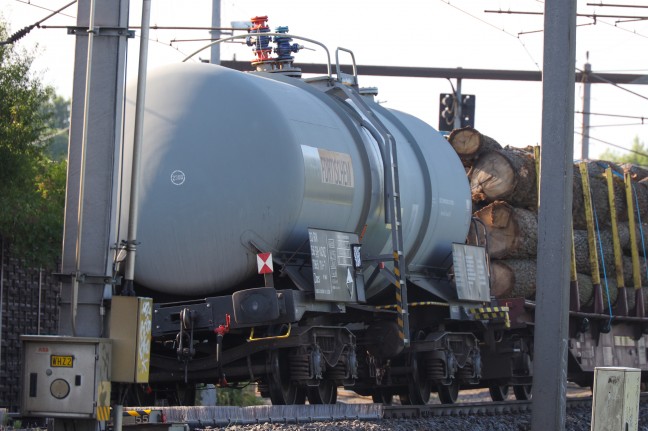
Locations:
column 495, row 27
column 593, row 16
column 618, row 5
column 613, row 115
column 614, row 84
column 45, row 8
column 23, row 31
column 639, row 153
column 588, row 15
column 163, row 27
column 617, row 125
column 522, row 33
column 46, row 27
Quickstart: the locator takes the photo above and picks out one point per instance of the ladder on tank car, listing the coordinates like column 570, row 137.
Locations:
column 347, row 84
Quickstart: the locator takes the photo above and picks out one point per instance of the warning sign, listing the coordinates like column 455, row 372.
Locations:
column 264, row 263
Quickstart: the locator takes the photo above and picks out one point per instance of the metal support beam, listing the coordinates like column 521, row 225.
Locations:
column 103, row 130
column 215, row 34
column 586, row 111
column 457, row 111
column 554, row 217
column 456, row 73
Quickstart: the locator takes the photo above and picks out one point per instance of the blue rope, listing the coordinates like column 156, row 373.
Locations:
column 643, row 245
column 598, row 234
column 606, row 165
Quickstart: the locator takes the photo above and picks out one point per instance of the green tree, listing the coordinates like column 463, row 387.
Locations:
column 32, row 186
column 57, row 110
column 637, row 156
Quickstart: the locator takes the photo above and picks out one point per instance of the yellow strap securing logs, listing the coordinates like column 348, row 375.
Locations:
column 636, row 273
column 589, row 217
column 618, row 255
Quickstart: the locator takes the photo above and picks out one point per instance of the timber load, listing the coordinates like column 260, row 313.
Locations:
column 504, row 185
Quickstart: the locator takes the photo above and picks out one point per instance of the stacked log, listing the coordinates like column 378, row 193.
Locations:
column 507, row 174
column 469, row 144
column 504, row 193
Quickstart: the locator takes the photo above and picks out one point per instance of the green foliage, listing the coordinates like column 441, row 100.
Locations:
column 638, row 155
column 57, row 110
column 238, row 397
column 32, row 186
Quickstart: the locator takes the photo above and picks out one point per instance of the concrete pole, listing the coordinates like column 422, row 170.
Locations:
column 97, row 201
column 216, row 34
column 586, row 111
column 554, row 217
column 103, row 129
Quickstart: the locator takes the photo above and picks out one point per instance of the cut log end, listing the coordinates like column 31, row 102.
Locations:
column 465, row 141
column 492, row 177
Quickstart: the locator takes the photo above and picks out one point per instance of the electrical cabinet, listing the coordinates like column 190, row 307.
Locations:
column 130, row 332
column 66, row 377
column 616, row 398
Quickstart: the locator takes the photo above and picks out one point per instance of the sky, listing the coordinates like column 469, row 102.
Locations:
column 425, row 33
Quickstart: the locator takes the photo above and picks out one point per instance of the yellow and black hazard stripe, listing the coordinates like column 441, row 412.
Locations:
column 487, row 313
column 137, row 413
column 415, row 304
column 399, row 299
column 491, row 313
column 103, row 413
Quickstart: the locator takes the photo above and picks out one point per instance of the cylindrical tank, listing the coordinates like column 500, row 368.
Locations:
column 233, row 161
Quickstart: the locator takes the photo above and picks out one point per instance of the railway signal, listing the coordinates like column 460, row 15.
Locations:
column 449, row 109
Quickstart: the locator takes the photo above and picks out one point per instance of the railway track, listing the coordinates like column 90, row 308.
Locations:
column 470, row 409
column 221, row 416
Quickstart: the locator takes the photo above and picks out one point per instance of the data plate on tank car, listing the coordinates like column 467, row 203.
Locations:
column 333, row 270
column 471, row 272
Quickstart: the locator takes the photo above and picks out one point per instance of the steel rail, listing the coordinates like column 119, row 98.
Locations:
column 205, row 417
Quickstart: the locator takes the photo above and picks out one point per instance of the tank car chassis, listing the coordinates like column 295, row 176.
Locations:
column 304, row 348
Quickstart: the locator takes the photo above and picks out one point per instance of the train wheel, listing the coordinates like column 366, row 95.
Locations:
column 281, row 389
column 448, row 394
column 382, row 396
column 418, row 386
column 498, row 392
column 522, row 392
column 324, row 393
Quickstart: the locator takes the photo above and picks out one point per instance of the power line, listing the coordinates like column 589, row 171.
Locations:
column 639, row 153
column 613, row 115
column 495, row 27
column 617, row 5
column 540, row 31
column 624, row 29
column 593, row 16
column 23, row 31
column 42, row 7
column 617, row 125
column 587, row 15
column 614, row 84
column 37, row 24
